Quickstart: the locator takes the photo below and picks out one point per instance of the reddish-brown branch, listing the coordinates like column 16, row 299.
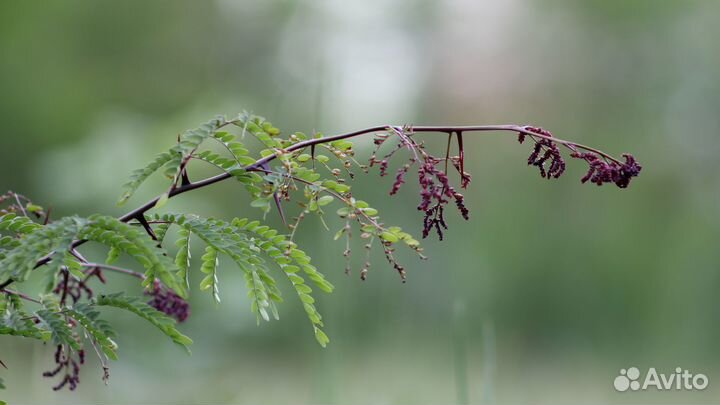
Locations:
column 139, row 212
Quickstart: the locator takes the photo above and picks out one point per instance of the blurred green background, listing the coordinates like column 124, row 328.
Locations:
column 547, row 292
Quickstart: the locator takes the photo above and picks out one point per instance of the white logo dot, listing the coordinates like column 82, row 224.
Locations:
column 621, row 383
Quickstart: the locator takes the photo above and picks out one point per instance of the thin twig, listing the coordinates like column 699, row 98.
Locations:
column 20, row 205
column 296, row 225
column 116, row 269
column 21, row 295
column 101, row 357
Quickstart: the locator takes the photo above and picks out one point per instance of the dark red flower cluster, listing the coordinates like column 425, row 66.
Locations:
column 545, row 151
column 400, row 177
column 602, row 171
column 383, row 167
column 436, row 192
column 434, row 219
column 71, row 367
column 384, row 162
column 74, row 287
column 166, row 301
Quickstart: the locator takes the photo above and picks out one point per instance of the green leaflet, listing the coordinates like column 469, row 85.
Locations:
column 71, row 227
column 321, row 337
column 18, row 224
column 263, row 293
column 209, row 267
column 113, row 255
column 248, row 244
column 283, row 252
column 235, row 166
column 258, row 295
column 216, row 233
column 58, row 327
column 237, row 149
column 150, row 314
column 173, row 159
column 291, row 260
column 139, row 176
column 223, row 238
column 98, row 330
column 16, row 322
column 219, row 161
column 137, row 244
column 7, row 243
column 182, row 259
column 261, row 129
column 56, row 238
column 161, row 231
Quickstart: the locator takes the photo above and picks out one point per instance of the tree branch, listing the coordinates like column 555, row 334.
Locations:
column 183, row 188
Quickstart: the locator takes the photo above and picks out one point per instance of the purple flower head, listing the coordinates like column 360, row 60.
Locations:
column 435, row 188
column 166, row 301
column 399, row 179
column 70, row 365
column 545, row 154
column 631, row 168
column 436, row 192
column 601, row 171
